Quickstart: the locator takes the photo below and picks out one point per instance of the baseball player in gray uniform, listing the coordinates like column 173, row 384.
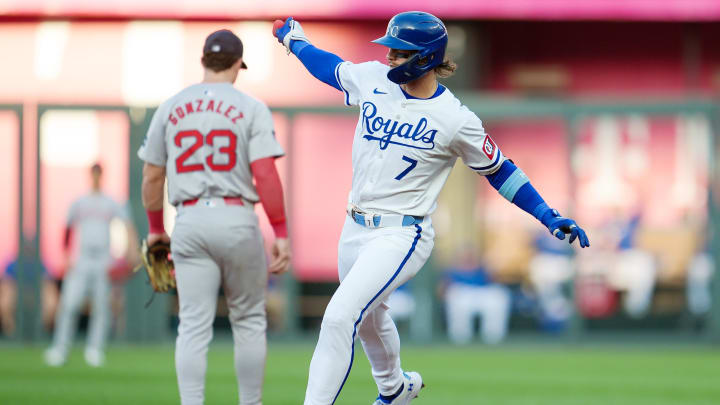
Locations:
column 410, row 132
column 211, row 141
column 89, row 217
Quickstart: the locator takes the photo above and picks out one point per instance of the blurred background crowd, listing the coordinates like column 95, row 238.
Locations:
column 611, row 109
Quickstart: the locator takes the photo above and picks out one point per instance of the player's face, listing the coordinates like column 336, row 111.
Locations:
column 96, row 176
column 397, row 57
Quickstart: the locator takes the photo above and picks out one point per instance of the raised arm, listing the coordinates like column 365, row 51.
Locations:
column 321, row 64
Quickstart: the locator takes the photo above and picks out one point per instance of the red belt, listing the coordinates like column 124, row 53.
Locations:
column 228, row 201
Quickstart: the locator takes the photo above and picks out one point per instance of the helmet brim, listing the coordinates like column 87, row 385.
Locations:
column 396, row 43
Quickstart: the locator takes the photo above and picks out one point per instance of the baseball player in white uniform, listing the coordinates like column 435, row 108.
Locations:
column 211, row 140
column 409, row 134
column 89, row 217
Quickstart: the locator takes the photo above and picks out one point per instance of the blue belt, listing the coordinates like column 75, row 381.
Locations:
column 378, row 220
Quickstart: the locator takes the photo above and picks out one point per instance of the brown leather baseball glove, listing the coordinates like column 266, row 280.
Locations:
column 159, row 266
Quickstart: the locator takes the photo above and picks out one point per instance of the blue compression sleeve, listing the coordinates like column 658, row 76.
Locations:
column 515, row 186
column 319, row 63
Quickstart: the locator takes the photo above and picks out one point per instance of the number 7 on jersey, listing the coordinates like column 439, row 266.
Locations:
column 412, row 162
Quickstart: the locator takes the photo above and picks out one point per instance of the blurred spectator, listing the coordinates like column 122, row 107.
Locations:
column 471, row 293
column 401, row 303
column 635, row 270
column 276, row 303
column 90, row 218
column 594, row 296
column 9, row 289
column 8, row 298
column 551, row 268
column 699, row 279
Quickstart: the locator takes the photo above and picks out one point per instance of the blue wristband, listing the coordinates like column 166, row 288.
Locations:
column 515, row 186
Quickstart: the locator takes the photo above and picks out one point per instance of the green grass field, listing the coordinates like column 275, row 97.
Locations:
column 507, row 375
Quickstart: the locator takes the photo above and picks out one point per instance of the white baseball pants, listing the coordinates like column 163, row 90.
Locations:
column 372, row 263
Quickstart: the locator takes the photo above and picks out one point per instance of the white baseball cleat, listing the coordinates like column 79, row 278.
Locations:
column 413, row 384
column 54, row 357
column 94, row 357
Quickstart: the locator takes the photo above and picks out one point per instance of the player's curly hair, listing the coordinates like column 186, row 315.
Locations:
column 447, row 68
column 217, row 62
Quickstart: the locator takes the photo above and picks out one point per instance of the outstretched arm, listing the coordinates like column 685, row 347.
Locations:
column 515, row 186
column 319, row 63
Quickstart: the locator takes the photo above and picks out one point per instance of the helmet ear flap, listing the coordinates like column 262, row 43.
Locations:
column 416, row 66
column 406, row 72
column 425, row 57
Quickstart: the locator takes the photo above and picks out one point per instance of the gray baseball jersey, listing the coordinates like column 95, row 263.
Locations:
column 206, row 136
column 90, row 215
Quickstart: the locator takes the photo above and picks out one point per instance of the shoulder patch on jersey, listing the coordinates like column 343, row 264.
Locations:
column 489, row 147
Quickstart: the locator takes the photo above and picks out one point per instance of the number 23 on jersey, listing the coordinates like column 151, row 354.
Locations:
column 198, row 140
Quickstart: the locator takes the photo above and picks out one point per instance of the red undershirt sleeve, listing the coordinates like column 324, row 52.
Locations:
column 66, row 239
column 269, row 188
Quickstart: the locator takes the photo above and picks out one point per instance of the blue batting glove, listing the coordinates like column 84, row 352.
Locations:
column 560, row 226
column 291, row 35
column 282, row 31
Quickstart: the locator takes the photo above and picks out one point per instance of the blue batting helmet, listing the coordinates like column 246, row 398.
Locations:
column 415, row 31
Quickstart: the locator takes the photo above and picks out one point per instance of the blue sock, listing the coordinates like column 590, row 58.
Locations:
column 389, row 398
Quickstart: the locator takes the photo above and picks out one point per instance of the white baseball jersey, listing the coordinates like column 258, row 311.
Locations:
column 404, row 149
column 206, row 136
column 90, row 215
